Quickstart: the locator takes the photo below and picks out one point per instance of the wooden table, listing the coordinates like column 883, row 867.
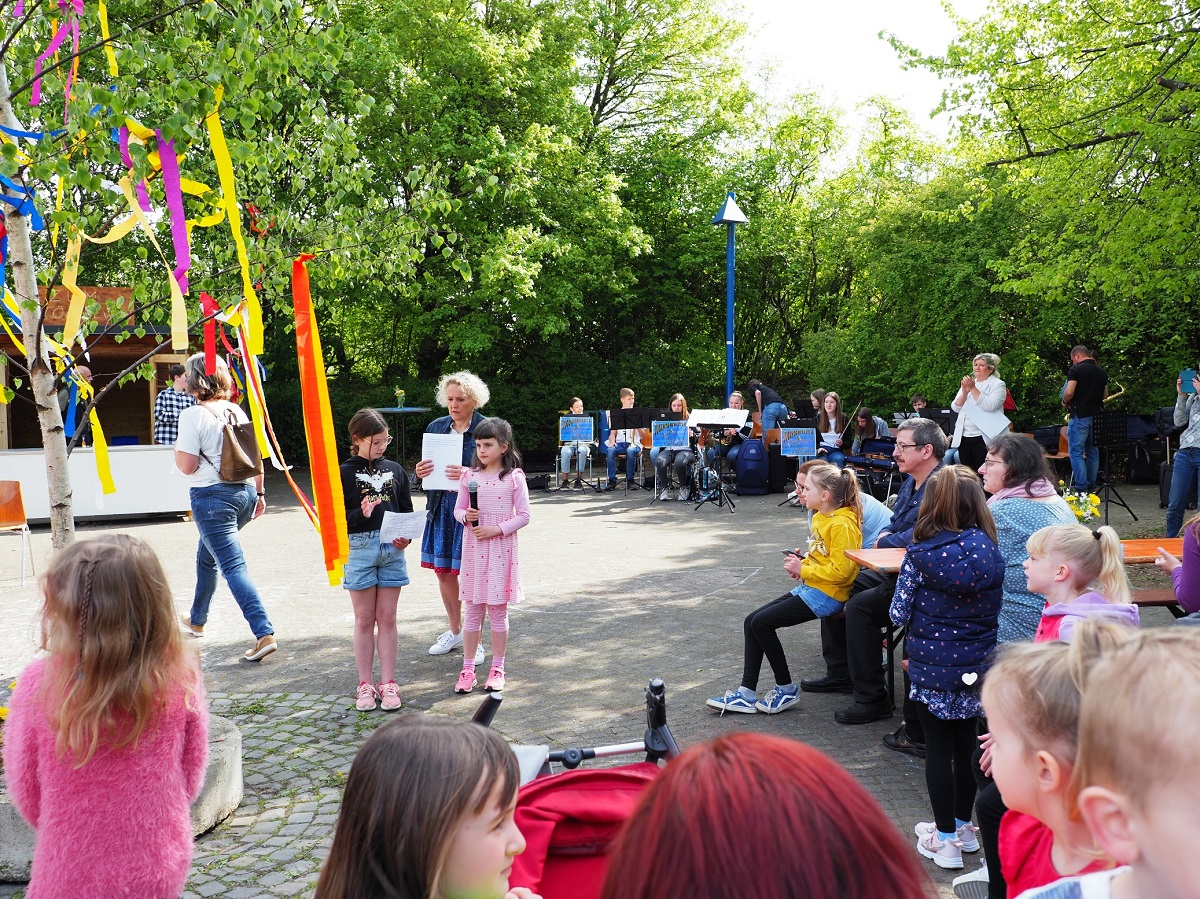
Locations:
column 1137, row 552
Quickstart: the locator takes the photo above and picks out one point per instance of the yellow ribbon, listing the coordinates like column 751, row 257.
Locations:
column 102, row 11
column 220, row 150
column 70, row 277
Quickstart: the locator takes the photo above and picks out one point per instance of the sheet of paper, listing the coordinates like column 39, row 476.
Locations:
column 991, row 423
column 442, row 450
column 410, row 525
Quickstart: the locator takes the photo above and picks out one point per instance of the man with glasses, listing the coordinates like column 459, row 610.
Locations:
column 850, row 644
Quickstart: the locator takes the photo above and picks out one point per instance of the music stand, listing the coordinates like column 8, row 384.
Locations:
column 946, row 419
column 623, row 419
column 715, row 421
column 1110, row 430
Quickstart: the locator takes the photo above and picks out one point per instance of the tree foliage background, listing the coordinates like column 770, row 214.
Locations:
column 524, row 189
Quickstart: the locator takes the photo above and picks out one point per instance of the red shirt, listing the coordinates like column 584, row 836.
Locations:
column 1025, row 844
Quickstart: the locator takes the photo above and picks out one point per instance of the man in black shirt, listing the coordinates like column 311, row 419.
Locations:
column 1083, row 395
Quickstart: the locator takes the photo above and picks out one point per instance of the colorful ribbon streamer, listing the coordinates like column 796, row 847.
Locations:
column 216, row 137
column 318, row 427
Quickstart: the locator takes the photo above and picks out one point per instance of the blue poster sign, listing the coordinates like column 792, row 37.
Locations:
column 799, row 442
column 668, row 433
column 576, row 428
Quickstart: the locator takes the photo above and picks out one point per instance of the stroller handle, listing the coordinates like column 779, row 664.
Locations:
column 659, row 742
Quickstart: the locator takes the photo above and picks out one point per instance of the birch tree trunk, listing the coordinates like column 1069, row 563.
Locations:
column 45, row 397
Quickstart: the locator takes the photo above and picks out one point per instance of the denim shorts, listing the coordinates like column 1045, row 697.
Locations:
column 373, row 564
column 822, row 604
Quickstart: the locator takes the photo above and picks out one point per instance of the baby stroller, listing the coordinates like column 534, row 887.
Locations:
column 569, row 819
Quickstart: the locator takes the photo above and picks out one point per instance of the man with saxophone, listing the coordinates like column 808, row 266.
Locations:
column 1083, row 395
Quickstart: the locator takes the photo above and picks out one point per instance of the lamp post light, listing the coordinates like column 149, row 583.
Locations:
column 730, row 216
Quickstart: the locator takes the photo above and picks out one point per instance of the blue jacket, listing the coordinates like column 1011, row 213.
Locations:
column 956, row 609
column 904, row 513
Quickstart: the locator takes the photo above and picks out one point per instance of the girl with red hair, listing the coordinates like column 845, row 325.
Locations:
column 753, row 796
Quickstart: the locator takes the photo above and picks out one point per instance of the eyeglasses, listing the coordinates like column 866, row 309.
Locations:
column 908, row 446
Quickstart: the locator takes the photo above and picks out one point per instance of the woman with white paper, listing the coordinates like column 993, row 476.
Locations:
column 461, row 393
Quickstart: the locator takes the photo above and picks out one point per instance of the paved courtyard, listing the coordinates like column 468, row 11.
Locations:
column 618, row 590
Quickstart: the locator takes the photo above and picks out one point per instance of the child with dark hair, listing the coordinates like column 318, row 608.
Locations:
column 493, row 503
column 375, row 572
column 427, row 814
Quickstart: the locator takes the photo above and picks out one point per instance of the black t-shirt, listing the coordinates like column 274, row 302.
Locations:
column 1090, row 380
column 768, row 395
column 381, row 480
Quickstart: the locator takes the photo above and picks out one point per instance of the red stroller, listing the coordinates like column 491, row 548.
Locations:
column 570, row 819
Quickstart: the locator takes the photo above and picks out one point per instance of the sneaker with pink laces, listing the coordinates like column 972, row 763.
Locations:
column 365, row 701
column 466, row 681
column 946, row 854
column 389, row 696
column 495, row 681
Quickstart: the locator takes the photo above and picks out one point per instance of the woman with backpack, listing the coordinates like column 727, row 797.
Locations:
column 220, row 507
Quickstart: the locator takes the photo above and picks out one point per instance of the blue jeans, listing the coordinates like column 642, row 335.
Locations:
column 220, row 511
column 772, row 415
column 1085, row 458
column 580, row 451
column 833, row 456
column 630, row 450
column 730, row 454
column 1184, row 486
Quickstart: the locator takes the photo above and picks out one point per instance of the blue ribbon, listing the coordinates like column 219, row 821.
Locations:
column 23, row 204
column 69, row 422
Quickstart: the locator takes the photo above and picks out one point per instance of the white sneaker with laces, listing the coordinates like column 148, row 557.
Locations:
column 445, row 643
column 479, row 653
column 946, row 854
column 964, row 835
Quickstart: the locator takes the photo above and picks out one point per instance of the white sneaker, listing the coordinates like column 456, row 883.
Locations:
column 479, row 654
column 445, row 643
column 946, row 854
column 973, row 885
column 964, row 835
column 685, row 495
column 666, row 494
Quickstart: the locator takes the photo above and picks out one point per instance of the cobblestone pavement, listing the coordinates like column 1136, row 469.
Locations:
column 618, row 590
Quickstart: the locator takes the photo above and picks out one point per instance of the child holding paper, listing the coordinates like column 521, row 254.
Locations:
column 375, row 572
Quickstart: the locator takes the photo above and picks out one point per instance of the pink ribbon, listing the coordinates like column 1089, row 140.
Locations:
column 142, row 193
column 174, row 196
column 64, row 29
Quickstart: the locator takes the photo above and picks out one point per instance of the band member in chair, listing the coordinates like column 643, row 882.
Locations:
column 681, row 457
column 627, row 441
column 731, row 438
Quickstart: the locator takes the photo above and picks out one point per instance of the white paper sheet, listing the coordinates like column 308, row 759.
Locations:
column 442, row 450
column 990, row 423
column 409, row 525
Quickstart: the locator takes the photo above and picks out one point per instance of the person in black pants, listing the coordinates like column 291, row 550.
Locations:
column 851, row 645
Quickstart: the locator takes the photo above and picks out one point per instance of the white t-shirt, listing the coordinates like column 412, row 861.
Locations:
column 202, row 434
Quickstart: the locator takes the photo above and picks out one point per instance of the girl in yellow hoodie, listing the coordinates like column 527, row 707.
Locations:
column 825, row 576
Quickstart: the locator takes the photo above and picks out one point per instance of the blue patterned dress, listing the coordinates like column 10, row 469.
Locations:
column 1016, row 520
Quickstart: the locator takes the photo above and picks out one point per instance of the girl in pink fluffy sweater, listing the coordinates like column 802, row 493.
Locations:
column 107, row 736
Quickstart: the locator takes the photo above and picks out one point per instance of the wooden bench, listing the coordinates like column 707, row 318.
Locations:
column 1164, row 598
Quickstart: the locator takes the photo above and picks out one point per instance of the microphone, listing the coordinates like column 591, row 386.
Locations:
column 473, row 490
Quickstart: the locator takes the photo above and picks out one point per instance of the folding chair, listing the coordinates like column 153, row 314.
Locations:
column 12, row 519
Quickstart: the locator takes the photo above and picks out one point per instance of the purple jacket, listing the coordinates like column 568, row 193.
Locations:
column 1186, row 578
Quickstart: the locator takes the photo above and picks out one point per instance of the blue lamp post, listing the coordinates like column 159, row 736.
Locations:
column 729, row 216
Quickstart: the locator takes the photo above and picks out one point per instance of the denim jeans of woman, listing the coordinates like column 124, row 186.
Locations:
column 1185, row 487
column 220, row 511
column 773, row 415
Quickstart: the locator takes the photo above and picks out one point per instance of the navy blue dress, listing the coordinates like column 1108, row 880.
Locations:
column 441, row 545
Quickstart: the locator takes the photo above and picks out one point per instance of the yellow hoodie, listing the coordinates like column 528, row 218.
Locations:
column 825, row 565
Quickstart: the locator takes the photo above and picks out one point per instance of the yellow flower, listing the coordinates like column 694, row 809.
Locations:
column 1093, row 499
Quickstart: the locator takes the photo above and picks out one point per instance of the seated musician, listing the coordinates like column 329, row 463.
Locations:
column 832, row 427
column 580, row 449
column 682, row 457
column 627, row 441
column 731, row 438
column 867, row 426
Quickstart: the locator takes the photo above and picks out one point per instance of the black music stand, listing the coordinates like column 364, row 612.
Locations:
column 626, row 420
column 711, row 481
column 1110, row 431
column 946, row 419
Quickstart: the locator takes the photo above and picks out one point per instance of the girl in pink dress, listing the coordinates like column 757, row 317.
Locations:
column 493, row 503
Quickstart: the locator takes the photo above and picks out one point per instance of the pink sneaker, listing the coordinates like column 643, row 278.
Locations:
column 495, row 681
column 466, row 681
column 366, row 697
column 389, row 696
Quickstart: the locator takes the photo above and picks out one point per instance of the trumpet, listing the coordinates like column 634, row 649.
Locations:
column 1104, row 402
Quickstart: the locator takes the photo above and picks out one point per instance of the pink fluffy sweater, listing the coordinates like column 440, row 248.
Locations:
column 119, row 826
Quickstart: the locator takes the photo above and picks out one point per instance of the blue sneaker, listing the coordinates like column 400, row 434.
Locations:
column 733, row 701
column 778, row 699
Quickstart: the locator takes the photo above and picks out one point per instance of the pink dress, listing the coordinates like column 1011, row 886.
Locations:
column 491, row 572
